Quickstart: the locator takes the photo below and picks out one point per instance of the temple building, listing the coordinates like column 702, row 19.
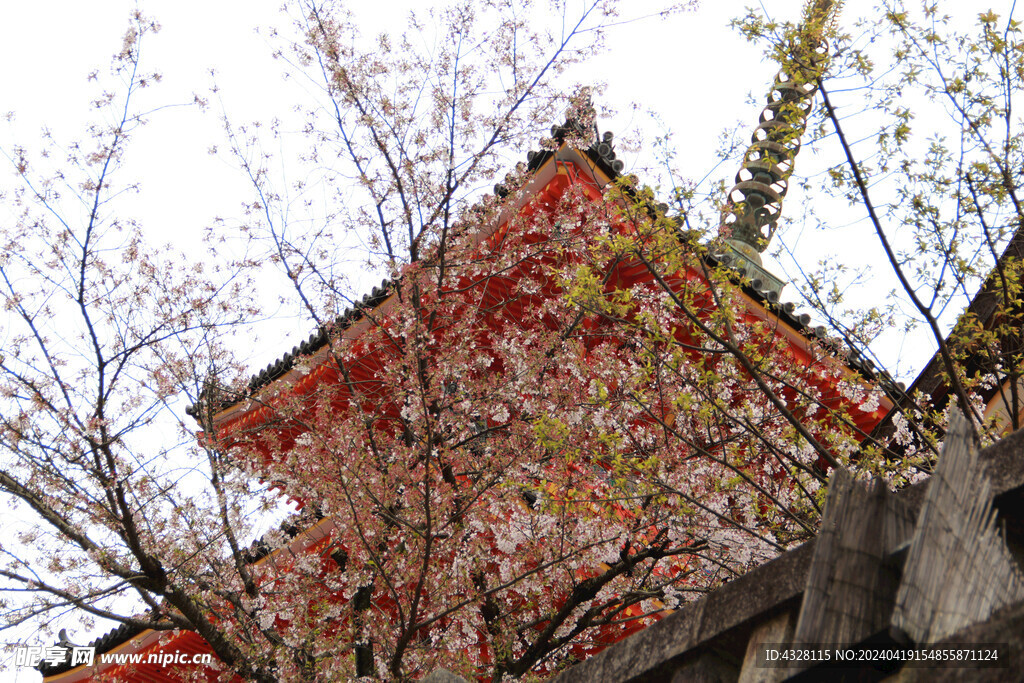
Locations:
column 262, row 420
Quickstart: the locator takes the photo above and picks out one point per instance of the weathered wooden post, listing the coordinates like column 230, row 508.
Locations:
column 958, row 569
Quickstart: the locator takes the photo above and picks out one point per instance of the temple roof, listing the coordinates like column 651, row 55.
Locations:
column 602, row 154
column 119, row 635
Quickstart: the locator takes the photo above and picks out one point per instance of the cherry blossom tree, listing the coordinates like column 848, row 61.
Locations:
column 558, row 418
column 103, row 335
column 562, row 413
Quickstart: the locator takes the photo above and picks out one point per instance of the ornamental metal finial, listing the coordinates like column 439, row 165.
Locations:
column 750, row 216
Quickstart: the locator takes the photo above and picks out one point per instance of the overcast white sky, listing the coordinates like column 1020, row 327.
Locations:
column 692, row 69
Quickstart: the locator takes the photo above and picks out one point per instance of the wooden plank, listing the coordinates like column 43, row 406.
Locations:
column 851, row 586
column 776, row 630
column 958, row 569
column 705, row 667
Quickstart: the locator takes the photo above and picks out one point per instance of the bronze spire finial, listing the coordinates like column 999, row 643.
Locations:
column 750, row 216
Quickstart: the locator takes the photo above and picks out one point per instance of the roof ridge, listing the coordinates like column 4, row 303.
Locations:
column 601, row 151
